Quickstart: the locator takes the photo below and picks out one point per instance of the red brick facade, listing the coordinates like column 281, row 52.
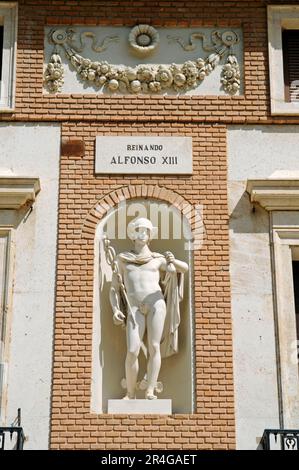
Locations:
column 253, row 107
column 72, row 423
column 212, row 426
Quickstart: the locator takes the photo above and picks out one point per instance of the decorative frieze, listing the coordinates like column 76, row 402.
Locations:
column 143, row 41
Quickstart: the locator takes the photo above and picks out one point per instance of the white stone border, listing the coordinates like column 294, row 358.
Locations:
column 15, row 193
column 273, row 194
column 8, row 13
column 285, row 235
column 7, row 292
column 280, row 17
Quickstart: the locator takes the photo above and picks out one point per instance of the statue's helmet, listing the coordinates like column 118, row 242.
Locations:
column 141, row 222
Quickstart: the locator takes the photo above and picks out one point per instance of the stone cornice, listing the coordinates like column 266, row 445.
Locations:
column 275, row 194
column 16, row 191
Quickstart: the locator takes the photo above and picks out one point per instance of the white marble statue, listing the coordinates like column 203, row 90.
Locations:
column 145, row 294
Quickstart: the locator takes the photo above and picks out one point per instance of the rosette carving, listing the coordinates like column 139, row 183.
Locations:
column 144, row 39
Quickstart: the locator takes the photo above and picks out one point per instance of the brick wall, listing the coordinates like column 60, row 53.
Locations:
column 212, row 426
column 85, row 116
column 250, row 15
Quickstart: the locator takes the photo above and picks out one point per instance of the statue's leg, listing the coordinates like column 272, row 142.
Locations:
column 155, row 325
column 134, row 337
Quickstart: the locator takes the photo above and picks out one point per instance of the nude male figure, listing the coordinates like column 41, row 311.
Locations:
column 140, row 270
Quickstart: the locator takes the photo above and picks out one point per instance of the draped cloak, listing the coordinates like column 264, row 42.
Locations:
column 172, row 286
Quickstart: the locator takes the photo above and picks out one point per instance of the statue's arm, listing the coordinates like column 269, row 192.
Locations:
column 114, row 293
column 114, row 296
column 179, row 265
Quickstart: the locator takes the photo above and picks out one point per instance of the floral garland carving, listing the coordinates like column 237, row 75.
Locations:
column 54, row 73
column 230, row 75
column 145, row 78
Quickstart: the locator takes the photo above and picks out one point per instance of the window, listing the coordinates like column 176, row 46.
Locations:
column 4, row 263
column 296, row 293
column 7, row 54
column 283, row 38
column 281, row 198
column 285, row 234
column 15, row 192
column 290, row 46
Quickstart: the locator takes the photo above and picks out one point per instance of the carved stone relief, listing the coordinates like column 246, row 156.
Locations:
column 143, row 42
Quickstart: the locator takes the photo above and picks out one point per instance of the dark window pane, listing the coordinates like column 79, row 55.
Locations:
column 290, row 46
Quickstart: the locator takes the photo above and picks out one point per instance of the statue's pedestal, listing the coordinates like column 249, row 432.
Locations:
column 145, row 407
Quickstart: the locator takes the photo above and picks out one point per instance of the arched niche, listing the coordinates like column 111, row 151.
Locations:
column 109, row 345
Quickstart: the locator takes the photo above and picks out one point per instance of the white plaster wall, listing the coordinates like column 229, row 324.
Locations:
column 33, row 150
column 254, row 152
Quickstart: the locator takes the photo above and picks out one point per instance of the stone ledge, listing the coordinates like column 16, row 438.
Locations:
column 275, row 194
column 16, row 191
column 139, row 406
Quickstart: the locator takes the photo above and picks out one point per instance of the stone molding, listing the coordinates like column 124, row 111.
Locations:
column 274, row 194
column 17, row 191
column 280, row 17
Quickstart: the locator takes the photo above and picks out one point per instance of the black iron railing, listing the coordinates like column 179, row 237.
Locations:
column 280, row 439
column 12, row 437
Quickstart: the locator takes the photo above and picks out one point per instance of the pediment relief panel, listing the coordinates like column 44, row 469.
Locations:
column 143, row 60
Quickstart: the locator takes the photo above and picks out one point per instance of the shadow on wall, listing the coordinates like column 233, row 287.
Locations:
column 247, row 217
column 14, row 218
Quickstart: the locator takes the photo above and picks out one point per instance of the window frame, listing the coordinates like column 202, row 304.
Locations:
column 8, row 230
column 8, row 18
column 280, row 17
column 281, row 198
column 285, row 237
column 295, row 262
column 15, row 193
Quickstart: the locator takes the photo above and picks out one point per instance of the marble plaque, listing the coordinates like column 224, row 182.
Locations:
column 143, row 155
column 138, row 406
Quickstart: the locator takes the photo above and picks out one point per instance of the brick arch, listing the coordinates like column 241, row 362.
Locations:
column 100, row 209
